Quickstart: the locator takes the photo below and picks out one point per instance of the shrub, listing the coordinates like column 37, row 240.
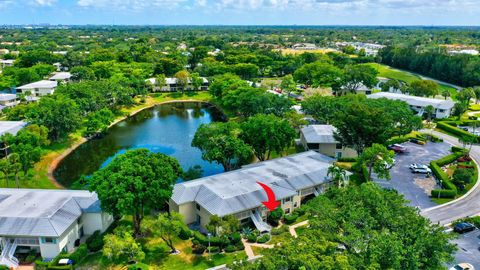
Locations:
column 275, row 216
column 4, row 267
column 214, row 250
column 95, row 242
column 185, row 234
column 450, row 128
column 200, row 238
column 79, row 254
column 347, row 159
column 198, row 249
column 138, row 266
column 235, row 238
column 289, row 219
column 299, row 211
column 239, row 246
column 230, row 249
column 462, row 177
column 263, row 239
column 474, row 220
column 29, row 259
column 456, row 149
column 252, row 238
column 444, row 193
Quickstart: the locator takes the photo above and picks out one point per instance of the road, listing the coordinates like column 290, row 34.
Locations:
column 468, row 205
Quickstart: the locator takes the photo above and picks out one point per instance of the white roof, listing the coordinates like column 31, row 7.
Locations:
column 39, row 84
column 238, row 191
column 47, row 213
column 11, row 127
column 61, row 76
column 7, row 61
column 172, row 80
column 319, row 134
column 416, row 101
column 7, row 97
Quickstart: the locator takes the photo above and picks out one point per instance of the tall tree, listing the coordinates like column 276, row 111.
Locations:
column 288, row 84
column 354, row 76
column 183, row 79
column 134, row 182
column 167, row 226
column 338, row 175
column 424, row 88
column 121, row 246
column 220, row 142
column 267, row 134
column 378, row 159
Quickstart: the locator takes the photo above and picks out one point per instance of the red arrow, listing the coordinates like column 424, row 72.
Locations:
column 272, row 203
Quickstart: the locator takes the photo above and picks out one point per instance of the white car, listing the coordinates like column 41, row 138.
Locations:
column 463, row 266
column 420, row 168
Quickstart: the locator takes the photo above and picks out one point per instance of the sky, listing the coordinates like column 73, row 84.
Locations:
column 241, row 12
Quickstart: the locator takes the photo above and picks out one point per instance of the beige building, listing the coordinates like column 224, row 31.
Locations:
column 320, row 138
column 171, row 85
column 238, row 193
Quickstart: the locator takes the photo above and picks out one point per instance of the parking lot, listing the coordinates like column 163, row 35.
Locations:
column 409, row 184
column 468, row 245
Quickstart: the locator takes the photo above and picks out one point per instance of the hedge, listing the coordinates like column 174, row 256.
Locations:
column 449, row 189
column 289, row 219
column 347, row 159
column 263, row 239
column 450, row 128
column 230, row 249
column 95, row 241
column 79, row 254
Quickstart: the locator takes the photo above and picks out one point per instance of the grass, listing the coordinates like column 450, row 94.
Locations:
column 392, row 73
column 39, row 173
column 158, row 257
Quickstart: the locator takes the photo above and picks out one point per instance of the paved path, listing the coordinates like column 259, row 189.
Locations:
column 248, row 249
column 293, row 227
column 468, row 205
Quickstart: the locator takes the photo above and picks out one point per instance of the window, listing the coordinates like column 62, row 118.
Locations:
column 339, row 146
column 197, row 206
column 295, row 204
column 49, row 240
column 287, row 199
column 440, row 110
column 287, row 211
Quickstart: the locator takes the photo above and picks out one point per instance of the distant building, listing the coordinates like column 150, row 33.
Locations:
column 171, row 85
column 292, row 179
column 47, row 221
column 466, row 51
column 6, row 63
column 12, row 127
column 61, row 77
column 4, row 51
column 40, row 88
column 8, row 100
column 320, row 138
column 304, row 46
column 443, row 108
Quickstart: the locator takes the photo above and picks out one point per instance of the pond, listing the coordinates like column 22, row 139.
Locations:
column 167, row 128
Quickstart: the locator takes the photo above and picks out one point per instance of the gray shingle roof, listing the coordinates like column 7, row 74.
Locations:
column 47, row 213
column 319, row 134
column 237, row 191
column 416, row 101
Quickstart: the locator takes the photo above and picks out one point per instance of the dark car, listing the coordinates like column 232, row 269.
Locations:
column 464, row 227
column 397, row 148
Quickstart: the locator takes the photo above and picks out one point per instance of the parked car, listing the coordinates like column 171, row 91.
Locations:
column 389, row 166
column 397, row 148
column 417, row 166
column 420, row 168
column 417, row 141
column 463, row 227
column 463, row 266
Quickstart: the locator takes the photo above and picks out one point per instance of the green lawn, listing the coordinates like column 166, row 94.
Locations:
column 392, row 73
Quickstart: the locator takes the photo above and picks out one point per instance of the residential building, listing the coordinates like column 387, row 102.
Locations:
column 443, row 108
column 304, row 46
column 61, row 77
column 320, row 138
column 171, row 85
column 40, row 88
column 47, row 221
column 8, row 100
column 6, row 63
column 292, row 179
column 11, row 127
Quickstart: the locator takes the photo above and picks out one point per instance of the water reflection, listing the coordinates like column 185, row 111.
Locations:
column 167, row 129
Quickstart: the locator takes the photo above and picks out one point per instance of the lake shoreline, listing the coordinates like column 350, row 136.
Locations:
column 55, row 163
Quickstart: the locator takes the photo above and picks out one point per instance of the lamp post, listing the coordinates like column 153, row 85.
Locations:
column 209, row 235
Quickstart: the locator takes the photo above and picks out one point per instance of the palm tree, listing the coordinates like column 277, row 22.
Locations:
column 467, row 140
column 429, row 111
column 15, row 166
column 5, row 168
column 338, row 175
column 446, row 94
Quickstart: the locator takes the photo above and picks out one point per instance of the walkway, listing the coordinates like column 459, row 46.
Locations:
column 248, row 248
column 468, row 205
column 293, row 227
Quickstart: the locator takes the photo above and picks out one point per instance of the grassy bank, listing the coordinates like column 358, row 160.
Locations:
column 39, row 175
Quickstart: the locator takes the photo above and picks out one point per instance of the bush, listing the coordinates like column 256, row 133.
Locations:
column 79, row 254
column 239, row 246
column 263, row 239
column 252, row 238
column 275, row 216
column 138, row 266
column 95, row 242
column 214, row 250
column 299, row 211
column 4, row 267
column 289, row 219
column 29, row 259
column 200, row 238
column 198, row 249
column 347, row 159
column 456, row 149
column 185, row 234
column 444, row 193
column 230, row 249
column 450, row 128
column 235, row 238
column 474, row 220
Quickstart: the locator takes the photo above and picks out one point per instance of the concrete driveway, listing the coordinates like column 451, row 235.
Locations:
column 403, row 180
column 468, row 252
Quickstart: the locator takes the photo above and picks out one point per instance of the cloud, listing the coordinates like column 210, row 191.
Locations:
column 131, row 4
column 44, row 2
